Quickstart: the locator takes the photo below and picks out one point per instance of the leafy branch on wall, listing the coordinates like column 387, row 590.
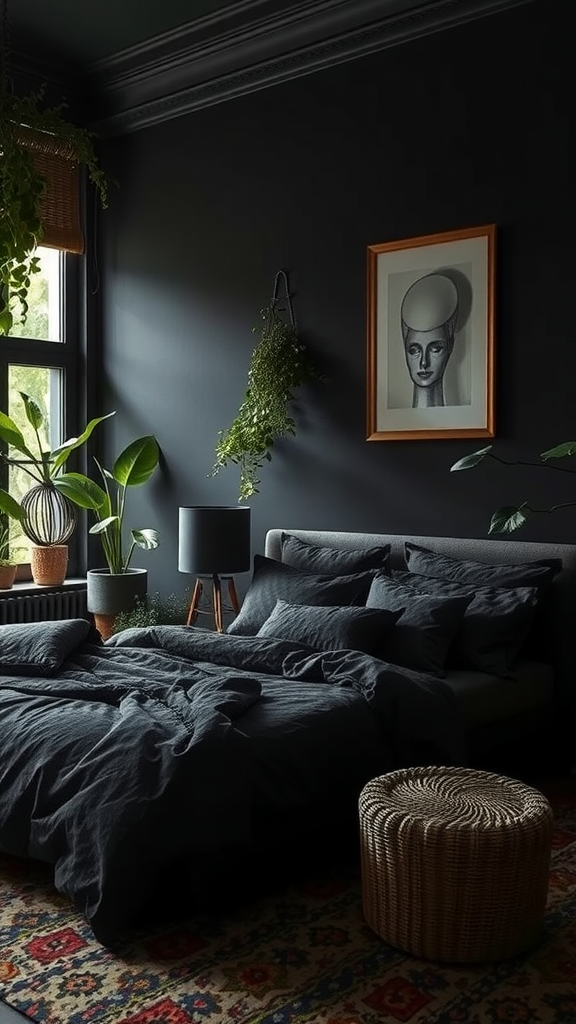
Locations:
column 279, row 364
column 512, row 517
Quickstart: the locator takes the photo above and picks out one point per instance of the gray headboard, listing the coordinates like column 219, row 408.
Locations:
column 557, row 621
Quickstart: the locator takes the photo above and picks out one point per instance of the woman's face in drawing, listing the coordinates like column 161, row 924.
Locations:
column 427, row 353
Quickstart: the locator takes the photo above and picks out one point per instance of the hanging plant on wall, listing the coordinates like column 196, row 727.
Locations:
column 28, row 130
column 279, row 364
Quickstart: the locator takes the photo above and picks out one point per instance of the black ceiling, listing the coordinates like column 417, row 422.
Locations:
column 133, row 63
column 79, row 32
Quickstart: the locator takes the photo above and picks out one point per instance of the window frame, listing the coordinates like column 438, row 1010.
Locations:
column 64, row 355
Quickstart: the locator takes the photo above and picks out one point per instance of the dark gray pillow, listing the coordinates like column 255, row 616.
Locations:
column 330, row 627
column 315, row 558
column 495, row 623
column 427, row 626
column 539, row 573
column 272, row 579
column 40, row 648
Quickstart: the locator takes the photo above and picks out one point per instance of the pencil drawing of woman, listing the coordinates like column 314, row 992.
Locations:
column 428, row 315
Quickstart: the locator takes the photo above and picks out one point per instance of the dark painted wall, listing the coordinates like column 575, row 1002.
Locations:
column 462, row 128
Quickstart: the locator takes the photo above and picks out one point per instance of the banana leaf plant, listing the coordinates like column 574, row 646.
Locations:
column 132, row 468
column 512, row 517
column 43, row 466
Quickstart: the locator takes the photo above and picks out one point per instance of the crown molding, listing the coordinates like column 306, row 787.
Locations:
column 251, row 45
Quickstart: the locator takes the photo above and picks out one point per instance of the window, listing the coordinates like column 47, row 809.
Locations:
column 40, row 358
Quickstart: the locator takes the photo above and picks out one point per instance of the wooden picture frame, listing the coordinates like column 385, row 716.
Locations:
column 430, row 336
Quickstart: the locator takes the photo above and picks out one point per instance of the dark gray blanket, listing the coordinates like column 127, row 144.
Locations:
column 118, row 760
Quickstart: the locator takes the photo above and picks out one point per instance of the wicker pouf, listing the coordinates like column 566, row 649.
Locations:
column 455, row 862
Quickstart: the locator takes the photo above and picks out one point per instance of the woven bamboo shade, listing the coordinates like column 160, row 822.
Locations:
column 61, row 200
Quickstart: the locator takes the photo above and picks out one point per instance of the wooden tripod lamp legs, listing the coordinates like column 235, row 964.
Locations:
column 217, row 606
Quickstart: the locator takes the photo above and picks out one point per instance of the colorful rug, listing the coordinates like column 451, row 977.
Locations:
column 303, row 955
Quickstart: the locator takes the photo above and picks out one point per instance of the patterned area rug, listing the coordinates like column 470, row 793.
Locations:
column 304, row 955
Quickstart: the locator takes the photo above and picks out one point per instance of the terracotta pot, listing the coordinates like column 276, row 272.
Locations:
column 7, row 576
column 105, row 625
column 49, row 564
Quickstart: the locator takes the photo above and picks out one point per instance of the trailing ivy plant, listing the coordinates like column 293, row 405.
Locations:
column 23, row 120
column 280, row 362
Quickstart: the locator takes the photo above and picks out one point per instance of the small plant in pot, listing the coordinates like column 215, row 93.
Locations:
column 8, row 552
column 46, row 515
column 115, row 588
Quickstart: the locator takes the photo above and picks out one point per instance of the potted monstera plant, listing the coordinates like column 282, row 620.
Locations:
column 46, row 515
column 117, row 586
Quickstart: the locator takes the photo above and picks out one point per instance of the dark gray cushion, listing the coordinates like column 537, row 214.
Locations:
column 40, row 648
column 314, row 558
column 495, row 623
column 427, row 626
column 272, row 580
column 330, row 627
column 524, row 574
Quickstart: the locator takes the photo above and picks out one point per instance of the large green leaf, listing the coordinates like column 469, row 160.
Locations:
column 6, row 320
column 560, row 451
column 104, row 524
column 61, row 454
column 147, row 539
column 33, row 411
column 13, row 436
column 82, row 491
column 509, row 518
column 135, row 465
column 469, row 461
column 11, row 507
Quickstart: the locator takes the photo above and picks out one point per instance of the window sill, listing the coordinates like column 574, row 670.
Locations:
column 22, row 587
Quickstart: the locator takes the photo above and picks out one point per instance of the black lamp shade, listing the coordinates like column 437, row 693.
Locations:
column 214, row 539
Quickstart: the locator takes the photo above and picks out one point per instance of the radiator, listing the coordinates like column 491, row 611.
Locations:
column 55, row 604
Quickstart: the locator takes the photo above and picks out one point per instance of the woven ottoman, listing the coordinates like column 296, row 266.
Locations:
column 455, row 862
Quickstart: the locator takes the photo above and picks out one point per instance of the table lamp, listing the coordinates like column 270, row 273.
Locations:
column 214, row 541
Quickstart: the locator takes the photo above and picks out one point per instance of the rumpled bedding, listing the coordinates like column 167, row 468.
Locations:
column 120, row 759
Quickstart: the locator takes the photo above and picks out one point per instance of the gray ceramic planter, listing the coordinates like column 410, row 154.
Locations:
column 109, row 593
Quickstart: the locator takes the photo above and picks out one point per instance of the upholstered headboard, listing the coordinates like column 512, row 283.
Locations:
column 480, row 549
column 557, row 621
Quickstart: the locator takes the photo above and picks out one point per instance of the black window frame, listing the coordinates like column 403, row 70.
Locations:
column 64, row 355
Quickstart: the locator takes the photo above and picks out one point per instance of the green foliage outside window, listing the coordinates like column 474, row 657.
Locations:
column 36, row 325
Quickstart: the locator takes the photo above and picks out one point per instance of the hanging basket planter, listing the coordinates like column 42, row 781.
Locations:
column 50, row 516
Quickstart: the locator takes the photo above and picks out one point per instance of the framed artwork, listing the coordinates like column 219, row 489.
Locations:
column 430, row 336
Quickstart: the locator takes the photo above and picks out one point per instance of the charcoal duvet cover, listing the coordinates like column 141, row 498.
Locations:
column 168, row 745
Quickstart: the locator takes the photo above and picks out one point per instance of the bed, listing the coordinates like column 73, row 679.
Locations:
column 175, row 767
column 522, row 720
